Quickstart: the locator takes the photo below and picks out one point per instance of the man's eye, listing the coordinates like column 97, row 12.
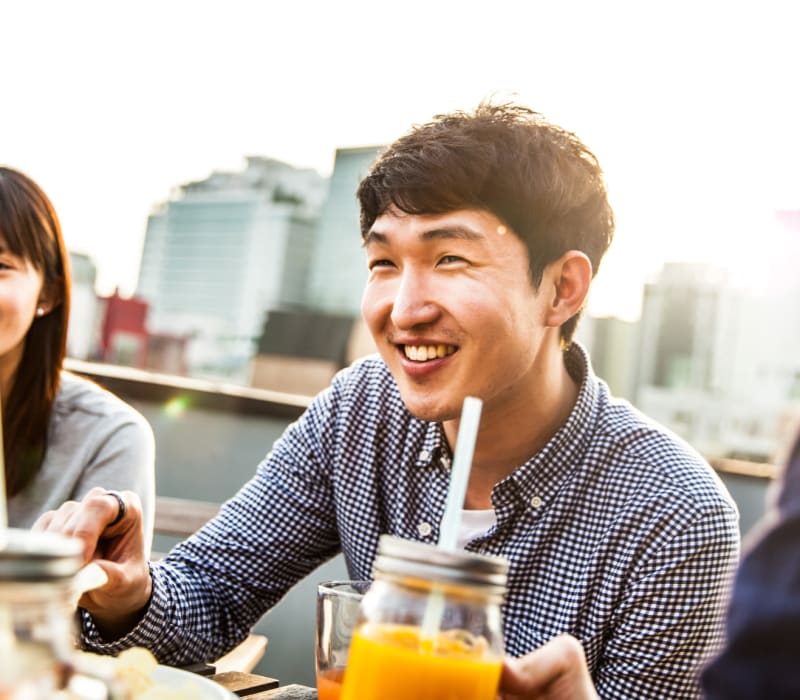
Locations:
column 450, row 259
column 379, row 263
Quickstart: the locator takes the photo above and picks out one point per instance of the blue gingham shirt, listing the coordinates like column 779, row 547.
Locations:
column 617, row 532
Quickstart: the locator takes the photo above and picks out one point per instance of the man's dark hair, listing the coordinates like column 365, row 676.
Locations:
column 537, row 178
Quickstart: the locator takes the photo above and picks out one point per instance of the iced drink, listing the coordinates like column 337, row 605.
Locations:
column 391, row 662
column 329, row 684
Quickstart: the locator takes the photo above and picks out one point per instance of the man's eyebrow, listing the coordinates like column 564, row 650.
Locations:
column 461, row 232
column 374, row 237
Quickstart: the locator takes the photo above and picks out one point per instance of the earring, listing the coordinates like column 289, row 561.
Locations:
column 40, row 311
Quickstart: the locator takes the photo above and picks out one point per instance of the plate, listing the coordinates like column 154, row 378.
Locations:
column 202, row 688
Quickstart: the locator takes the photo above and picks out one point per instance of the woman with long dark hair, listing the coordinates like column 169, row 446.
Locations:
column 62, row 434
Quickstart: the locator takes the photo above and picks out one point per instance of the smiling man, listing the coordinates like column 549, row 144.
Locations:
column 453, row 311
column 482, row 234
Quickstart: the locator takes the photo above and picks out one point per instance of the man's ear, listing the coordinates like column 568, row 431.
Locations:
column 569, row 279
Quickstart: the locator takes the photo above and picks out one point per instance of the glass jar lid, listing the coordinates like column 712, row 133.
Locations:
column 408, row 558
column 38, row 556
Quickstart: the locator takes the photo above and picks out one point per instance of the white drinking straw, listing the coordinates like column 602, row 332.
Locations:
column 459, row 476
column 451, row 520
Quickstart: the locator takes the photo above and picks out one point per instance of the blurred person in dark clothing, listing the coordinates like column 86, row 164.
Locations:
column 761, row 658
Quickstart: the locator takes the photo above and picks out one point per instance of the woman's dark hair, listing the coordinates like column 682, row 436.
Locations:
column 30, row 229
column 537, row 178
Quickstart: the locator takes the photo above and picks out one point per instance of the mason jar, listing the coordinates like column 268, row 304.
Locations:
column 430, row 626
column 37, row 609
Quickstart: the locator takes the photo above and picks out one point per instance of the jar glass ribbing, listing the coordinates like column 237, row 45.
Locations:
column 430, row 626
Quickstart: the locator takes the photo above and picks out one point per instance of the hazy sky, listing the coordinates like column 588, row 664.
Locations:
column 692, row 107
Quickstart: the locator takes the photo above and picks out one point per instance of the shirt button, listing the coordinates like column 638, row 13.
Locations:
column 424, row 456
column 446, row 462
column 536, row 502
column 424, row 529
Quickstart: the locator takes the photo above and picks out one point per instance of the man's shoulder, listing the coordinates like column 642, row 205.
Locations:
column 657, row 455
column 638, row 433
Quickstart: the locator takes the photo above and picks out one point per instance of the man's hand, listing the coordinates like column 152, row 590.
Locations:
column 554, row 671
column 117, row 546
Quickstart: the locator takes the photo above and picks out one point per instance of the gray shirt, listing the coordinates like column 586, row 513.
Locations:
column 93, row 439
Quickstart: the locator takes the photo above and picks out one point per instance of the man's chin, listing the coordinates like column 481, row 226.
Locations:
column 431, row 411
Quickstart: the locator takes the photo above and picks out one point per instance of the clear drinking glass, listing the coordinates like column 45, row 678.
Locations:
column 337, row 614
column 37, row 633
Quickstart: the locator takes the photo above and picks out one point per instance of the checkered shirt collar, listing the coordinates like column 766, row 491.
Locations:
column 543, row 474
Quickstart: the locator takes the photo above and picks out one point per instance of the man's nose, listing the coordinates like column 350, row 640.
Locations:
column 413, row 304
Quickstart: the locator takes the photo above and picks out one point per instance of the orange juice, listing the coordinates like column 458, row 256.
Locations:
column 329, row 684
column 391, row 662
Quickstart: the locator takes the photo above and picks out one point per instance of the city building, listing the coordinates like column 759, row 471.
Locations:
column 84, row 315
column 715, row 362
column 123, row 331
column 300, row 351
column 339, row 270
column 683, row 377
column 682, row 319
column 611, row 343
column 222, row 251
column 301, row 348
column 125, row 339
column 768, row 373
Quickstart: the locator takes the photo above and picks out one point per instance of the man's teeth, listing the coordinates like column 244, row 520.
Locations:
column 428, row 352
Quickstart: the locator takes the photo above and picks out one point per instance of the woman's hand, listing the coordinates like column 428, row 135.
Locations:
column 114, row 543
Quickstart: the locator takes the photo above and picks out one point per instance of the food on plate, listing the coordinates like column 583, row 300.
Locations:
column 129, row 676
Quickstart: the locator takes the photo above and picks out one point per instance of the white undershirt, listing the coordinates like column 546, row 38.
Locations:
column 473, row 524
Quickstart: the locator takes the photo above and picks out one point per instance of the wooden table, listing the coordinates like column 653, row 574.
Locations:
column 255, row 687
